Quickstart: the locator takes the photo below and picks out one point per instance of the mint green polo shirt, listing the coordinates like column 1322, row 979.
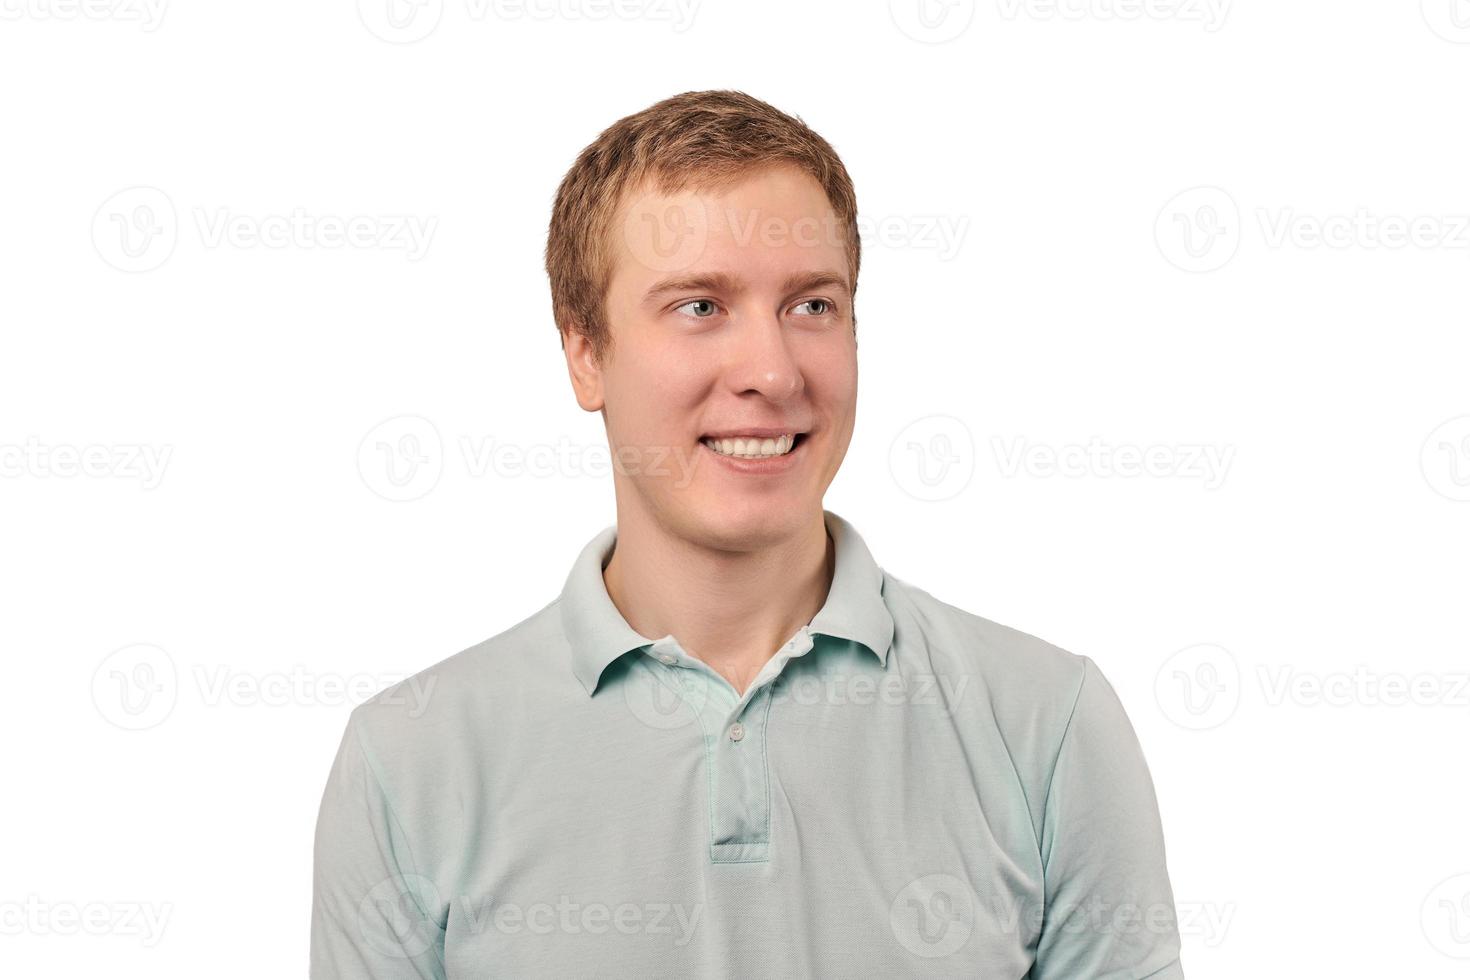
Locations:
column 905, row 790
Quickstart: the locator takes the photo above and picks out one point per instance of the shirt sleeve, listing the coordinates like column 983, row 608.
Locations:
column 1109, row 906
column 371, row 913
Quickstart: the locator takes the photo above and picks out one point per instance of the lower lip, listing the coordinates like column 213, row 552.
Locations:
column 763, row 466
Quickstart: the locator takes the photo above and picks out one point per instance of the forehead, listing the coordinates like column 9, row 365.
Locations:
column 763, row 226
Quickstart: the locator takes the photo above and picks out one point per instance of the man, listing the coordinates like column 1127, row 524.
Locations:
column 733, row 746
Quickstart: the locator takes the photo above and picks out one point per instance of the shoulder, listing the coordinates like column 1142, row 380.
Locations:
column 466, row 687
column 1025, row 675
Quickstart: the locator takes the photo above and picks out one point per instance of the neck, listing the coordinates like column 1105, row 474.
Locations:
column 730, row 606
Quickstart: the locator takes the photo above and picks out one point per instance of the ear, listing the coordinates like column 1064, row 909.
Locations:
column 582, row 368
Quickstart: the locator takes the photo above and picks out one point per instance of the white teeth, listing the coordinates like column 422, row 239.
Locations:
column 752, row 448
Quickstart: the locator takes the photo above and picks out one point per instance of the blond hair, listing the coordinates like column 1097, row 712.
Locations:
column 694, row 140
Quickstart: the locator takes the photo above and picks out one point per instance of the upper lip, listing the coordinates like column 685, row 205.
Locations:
column 757, row 432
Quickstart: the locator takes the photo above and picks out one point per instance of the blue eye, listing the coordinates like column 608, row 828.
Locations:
column 703, row 304
column 826, row 306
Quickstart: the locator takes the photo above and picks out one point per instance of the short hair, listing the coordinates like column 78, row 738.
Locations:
column 694, row 140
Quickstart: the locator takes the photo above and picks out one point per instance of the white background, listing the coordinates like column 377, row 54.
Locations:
column 1193, row 230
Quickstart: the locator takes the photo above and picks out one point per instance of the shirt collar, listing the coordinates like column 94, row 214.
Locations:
column 598, row 633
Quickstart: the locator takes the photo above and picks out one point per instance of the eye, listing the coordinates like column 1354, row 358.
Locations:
column 705, row 308
column 826, row 307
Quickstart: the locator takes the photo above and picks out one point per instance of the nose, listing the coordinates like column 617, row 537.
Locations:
column 762, row 360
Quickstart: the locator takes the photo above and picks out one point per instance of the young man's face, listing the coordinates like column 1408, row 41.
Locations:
column 730, row 311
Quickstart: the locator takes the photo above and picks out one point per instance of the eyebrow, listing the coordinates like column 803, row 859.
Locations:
column 719, row 282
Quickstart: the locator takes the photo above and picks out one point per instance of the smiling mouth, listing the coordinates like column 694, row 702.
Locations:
column 755, row 448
